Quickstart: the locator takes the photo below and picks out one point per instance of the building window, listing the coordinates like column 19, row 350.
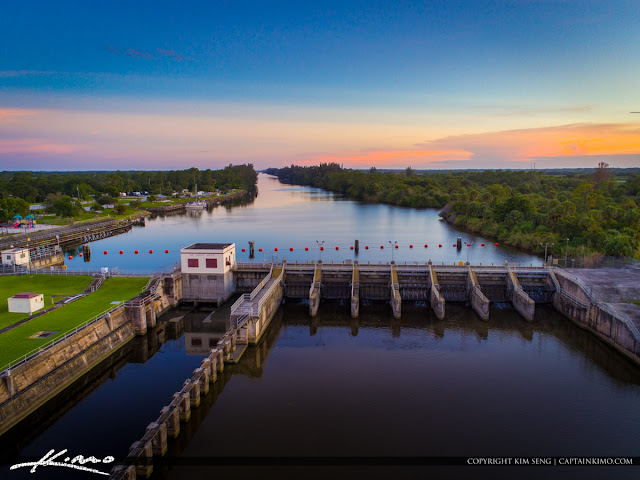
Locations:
column 192, row 263
column 212, row 263
column 196, row 342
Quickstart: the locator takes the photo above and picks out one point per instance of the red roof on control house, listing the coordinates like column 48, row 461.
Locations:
column 26, row 295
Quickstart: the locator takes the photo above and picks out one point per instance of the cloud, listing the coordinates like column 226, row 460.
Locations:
column 8, row 115
column 22, row 73
column 173, row 55
column 133, row 53
column 34, row 145
column 492, row 149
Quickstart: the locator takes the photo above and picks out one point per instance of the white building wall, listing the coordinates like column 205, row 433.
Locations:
column 26, row 305
column 16, row 256
column 225, row 260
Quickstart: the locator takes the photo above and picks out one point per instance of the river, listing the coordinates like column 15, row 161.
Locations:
column 333, row 386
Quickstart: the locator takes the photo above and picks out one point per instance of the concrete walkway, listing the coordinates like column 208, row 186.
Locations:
column 615, row 286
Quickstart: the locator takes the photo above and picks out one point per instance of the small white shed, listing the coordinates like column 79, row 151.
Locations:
column 26, row 302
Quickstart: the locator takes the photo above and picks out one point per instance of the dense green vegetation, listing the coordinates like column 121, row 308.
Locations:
column 16, row 342
column 598, row 211
column 45, row 284
column 61, row 191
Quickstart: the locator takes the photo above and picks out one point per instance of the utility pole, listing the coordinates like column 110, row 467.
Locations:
column 546, row 245
column 393, row 247
column 320, row 248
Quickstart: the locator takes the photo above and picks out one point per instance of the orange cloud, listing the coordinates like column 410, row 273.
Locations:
column 8, row 114
column 34, row 145
column 577, row 140
column 395, row 157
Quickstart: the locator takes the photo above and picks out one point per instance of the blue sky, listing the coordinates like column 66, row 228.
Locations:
column 175, row 84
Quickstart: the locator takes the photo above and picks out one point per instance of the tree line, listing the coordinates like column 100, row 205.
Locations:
column 596, row 210
column 61, row 191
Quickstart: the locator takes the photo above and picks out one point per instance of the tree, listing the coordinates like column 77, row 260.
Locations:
column 10, row 207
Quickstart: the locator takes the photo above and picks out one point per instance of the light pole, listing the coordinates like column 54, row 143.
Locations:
column 566, row 252
column 29, row 254
column 546, row 245
column 393, row 247
column 320, row 248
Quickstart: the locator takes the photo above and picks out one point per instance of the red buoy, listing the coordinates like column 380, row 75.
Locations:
column 381, row 246
column 496, row 244
column 105, row 252
column 275, row 249
column 454, row 245
column 337, row 248
column 425, row 245
column 396, row 246
column 351, row 247
column 291, row 249
column 410, row 246
column 121, row 252
column 70, row 257
column 367, row 247
column 243, row 249
column 80, row 254
column 306, row 249
column 167, row 251
column 259, row 249
column 321, row 248
column 468, row 244
column 440, row 245
column 136, row 252
column 150, row 251
column 482, row 244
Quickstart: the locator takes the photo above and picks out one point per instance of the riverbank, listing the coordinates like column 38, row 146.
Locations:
column 46, row 372
column 520, row 208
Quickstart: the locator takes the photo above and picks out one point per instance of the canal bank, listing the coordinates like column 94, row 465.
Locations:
column 30, row 383
column 335, row 385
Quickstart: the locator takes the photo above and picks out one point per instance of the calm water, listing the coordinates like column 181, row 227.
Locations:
column 289, row 216
column 333, row 386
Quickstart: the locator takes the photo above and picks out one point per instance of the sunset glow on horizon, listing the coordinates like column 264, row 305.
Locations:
column 444, row 85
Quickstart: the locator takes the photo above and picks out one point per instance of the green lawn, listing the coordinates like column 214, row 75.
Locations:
column 45, row 284
column 16, row 342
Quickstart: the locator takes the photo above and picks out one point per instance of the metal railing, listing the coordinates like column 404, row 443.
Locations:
column 55, row 341
column 276, row 283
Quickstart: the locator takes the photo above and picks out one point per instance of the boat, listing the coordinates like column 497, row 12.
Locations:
column 198, row 204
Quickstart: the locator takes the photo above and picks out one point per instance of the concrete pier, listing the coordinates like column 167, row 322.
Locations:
column 437, row 301
column 479, row 302
column 522, row 303
column 355, row 293
column 314, row 292
column 396, row 301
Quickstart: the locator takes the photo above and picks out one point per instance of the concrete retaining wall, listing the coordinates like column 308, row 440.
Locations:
column 30, row 385
column 595, row 318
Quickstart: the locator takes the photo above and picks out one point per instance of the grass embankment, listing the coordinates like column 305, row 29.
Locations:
column 16, row 342
column 87, row 217
column 45, row 284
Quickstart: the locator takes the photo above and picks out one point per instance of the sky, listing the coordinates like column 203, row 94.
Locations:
column 157, row 85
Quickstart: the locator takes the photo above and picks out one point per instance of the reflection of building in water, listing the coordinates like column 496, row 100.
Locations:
column 203, row 330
